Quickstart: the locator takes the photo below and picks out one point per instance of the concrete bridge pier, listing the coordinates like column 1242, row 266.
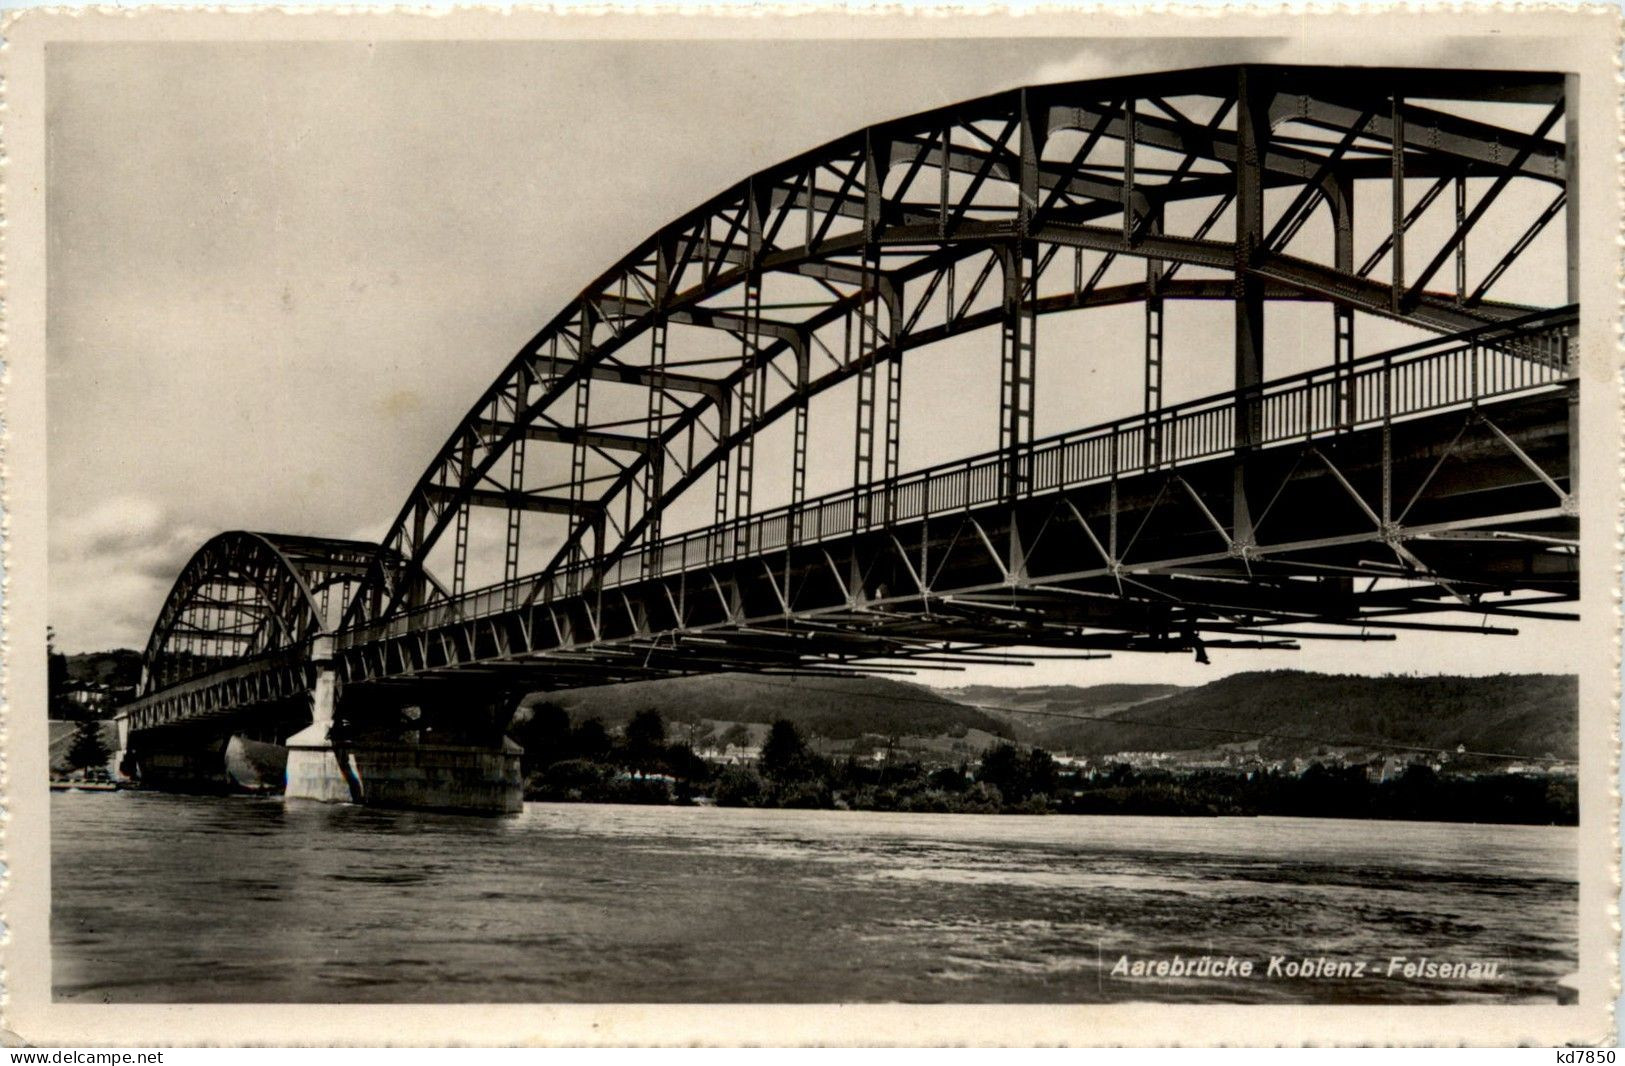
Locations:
column 457, row 778
column 433, row 748
column 316, row 769
column 123, row 761
column 383, row 750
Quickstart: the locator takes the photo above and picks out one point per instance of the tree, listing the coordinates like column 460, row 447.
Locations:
column 1041, row 771
column 1414, row 794
column 645, row 739
column 545, row 736
column 87, row 750
column 739, row 786
column 57, row 675
column 683, row 764
column 56, row 680
column 569, row 779
column 736, row 736
column 1002, row 767
column 590, row 739
column 784, row 754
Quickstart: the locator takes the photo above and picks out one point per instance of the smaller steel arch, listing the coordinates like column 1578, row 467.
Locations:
column 244, row 594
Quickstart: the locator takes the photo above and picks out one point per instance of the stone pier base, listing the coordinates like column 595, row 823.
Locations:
column 315, row 771
column 396, row 767
column 432, row 777
column 441, row 777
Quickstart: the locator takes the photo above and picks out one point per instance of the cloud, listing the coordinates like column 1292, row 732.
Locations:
column 1130, row 56
column 110, row 525
column 111, row 565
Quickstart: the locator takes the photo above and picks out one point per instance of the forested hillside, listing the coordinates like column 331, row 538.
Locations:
column 1033, row 710
column 1291, row 713
column 838, row 708
column 120, row 667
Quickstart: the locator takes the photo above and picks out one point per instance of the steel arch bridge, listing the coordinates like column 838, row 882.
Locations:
column 242, row 617
column 1414, row 480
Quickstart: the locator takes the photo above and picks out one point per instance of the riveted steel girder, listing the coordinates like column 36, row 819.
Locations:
column 905, row 234
column 788, row 219
column 937, row 580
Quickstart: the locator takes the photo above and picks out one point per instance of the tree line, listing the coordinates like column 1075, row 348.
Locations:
column 585, row 761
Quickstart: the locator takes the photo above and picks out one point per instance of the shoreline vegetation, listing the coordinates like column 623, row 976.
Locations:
column 568, row 761
column 1281, row 742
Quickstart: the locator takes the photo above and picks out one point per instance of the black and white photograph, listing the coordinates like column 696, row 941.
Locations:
column 771, row 515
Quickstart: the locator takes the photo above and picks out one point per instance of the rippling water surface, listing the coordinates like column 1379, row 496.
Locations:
column 184, row 899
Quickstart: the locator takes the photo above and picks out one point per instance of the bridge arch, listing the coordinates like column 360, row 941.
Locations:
column 829, row 266
column 244, row 595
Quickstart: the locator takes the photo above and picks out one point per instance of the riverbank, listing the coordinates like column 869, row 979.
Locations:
column 582, row 761
column 1320, row 792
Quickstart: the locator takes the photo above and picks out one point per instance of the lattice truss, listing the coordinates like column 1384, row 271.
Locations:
column 645, row 398
column 244, row 596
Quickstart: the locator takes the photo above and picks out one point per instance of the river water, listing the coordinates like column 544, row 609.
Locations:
column 163, row 898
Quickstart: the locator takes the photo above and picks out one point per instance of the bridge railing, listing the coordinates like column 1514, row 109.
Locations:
column 1495, row 362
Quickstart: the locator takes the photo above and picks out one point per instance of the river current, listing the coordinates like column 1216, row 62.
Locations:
column 160, row 898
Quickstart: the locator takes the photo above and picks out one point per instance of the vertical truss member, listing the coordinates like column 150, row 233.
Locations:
column 1153, row 351
column 654, row 469
column 578, row 456
column 1252, row 144
column 752, row 394
column 865, row 355
column 510, row 558
column 1019, row 319
column 753, row 369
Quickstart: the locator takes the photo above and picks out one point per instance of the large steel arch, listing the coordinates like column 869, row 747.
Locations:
column 829, row 266
column 243, row 595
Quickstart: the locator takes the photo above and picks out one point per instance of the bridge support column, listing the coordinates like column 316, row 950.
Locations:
column 444, row 755
column 123, row 763
column 316, row 769
column 442, row 751
column 456, row 778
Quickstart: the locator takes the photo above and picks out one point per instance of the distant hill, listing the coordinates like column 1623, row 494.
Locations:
column 1526, row 714
column 1030, row 709
column 120, row 667
column 837, row 708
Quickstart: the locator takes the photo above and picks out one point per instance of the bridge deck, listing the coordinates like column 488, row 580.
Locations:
column 1435, row 474
column 1044, row 571
column 1321, row 404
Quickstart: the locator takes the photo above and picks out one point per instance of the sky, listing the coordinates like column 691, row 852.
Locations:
column 279, row 273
